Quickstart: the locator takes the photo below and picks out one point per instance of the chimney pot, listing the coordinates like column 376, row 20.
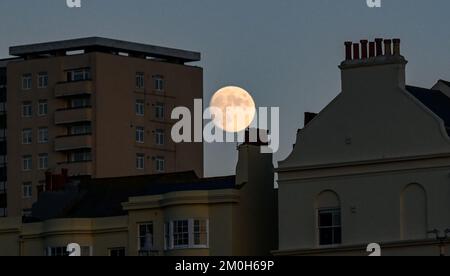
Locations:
column 356, row 51
column 396, row 47
column 388, row 47
column 371, row 49
column 379, row 47
column 348, row 50
column 364, row 49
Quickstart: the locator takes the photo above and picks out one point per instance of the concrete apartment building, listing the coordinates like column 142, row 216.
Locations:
column 176, row 214
column 3, row 152
column 372, row 167
column 96, row 107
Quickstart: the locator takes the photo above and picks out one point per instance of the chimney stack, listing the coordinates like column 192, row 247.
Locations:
column 388, row 47
column 348, row 50
column 396, row 47
column 356, row 51
column 364, row 49
column 379, row 47
column 371, row 49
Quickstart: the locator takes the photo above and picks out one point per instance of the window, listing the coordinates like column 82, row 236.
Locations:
column 145, row 236
column 43, row 161
column 140, row 161
column 330, row 231
column 160, row 164
column 160, row 111
column 43, row 135
column 80, row 129
column 159, row 83
column 3, row 161
column 140, row 135
column 27, row 190
column 27, row 163
column 159, row 137
column 80, row 156
column 140, row 107
column 3, row 212
column 27, row 110
column 42, row 108
column 79, row 75
column 140, row 80
column 3, row 133
column 43, row 80
column 26, row 81
column 80, row 102
column 117, row 252
column 180, row 233
column 188, row 233
column 27, row 136
column 200, row 233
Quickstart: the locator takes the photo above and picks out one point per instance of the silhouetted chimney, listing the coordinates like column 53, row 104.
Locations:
column 397, row 47
column 348, row 50
column 379, row 47
column 356, row 51
column 371, row 49
column 388, row 47
column 364, row 49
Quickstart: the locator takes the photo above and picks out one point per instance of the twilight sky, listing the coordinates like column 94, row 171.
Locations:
column 284, row 52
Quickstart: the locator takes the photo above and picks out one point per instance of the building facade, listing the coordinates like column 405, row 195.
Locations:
column 3, row 152
column 372, row 167
column 176, row 214
column 96, row 107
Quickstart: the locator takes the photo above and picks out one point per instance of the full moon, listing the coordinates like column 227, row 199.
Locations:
column 232, row 109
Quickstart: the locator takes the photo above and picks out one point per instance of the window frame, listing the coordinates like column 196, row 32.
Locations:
column 42, row 79
column 140, row 157
column 333, row 211
column 160, row 137
column 169, row 234
column 27, row 109
column 27, row 81
column 160, row 111
column 160, row 160
column 140, row 80
column 42, row 106
column 43, row 135
column 27, row 159
column 27, row 136
column 43, row 159
column 139, row 237
column 27, row 190
column 140, row 107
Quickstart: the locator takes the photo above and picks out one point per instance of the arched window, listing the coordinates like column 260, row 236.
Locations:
column 329, row 218
column 413, row 211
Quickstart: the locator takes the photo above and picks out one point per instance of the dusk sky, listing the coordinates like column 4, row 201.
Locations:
column 284, row 52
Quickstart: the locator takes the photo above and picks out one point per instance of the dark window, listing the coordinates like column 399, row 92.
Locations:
column 330, row 229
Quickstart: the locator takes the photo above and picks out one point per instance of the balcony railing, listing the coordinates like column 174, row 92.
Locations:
column 77, row 168
column 68, row 89
column 73, row 142
column 69, row 116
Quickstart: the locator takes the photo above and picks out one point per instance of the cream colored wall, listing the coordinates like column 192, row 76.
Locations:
column 367, row 146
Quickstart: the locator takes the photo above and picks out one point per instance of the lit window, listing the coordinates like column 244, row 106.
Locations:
column 200, row 233
column 140, row 135
column 27, row 136
column 330, row 229
column 43, row 80
column 26, row 81
column 27, row 190
column 140, row 161
column 140, row 83
column 140, row 107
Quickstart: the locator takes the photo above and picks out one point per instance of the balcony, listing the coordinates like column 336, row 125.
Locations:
column 70, row 116
column 74, row 142
column 77, row 168
column 76, row 88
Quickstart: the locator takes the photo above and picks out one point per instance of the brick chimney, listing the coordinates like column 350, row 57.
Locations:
column 377, row 63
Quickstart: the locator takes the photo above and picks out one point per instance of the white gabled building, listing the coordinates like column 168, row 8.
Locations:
column 372, row 167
